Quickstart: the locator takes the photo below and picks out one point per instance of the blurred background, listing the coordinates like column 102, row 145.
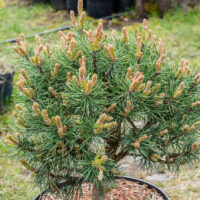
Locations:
column 177, row 22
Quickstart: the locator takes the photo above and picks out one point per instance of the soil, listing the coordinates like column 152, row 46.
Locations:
column 125, row 190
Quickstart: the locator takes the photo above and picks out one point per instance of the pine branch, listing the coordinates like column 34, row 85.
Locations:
column 112, row 144
column 108, row 74
column 172, row 158
column 40, row 68
column 94, row 58
column 132, row 124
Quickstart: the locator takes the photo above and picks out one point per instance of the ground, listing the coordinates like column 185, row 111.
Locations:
column 180, row 31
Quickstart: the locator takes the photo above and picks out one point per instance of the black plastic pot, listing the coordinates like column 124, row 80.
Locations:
column 123, row 5
column 100, row 8
column 2, row 84
column 58, row 4
column 8, row 77
column 73, row 4
column 163, row 194
column 41, row 1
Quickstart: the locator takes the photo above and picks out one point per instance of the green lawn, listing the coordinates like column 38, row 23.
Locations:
column 181, row 34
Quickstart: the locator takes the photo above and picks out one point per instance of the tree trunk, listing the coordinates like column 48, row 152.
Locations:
column 165, row 5
column 98, row 193
column 139, row 8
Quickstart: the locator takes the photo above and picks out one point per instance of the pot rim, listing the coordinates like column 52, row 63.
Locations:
column 162, row 193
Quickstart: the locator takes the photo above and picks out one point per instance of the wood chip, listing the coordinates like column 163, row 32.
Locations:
column 126, row 190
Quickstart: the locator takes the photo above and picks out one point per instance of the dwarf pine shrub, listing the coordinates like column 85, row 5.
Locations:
column 82, row 100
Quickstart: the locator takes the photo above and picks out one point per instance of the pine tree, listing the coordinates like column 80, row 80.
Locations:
column 81, row 102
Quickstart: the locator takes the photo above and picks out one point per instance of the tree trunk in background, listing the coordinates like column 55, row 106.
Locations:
column 98, row 193
column 164, row 5
column 143, row 7
column 188, row 3
column 139, row 8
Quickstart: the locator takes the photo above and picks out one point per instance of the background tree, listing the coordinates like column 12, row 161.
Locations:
column 144, row 7
column 81, row 100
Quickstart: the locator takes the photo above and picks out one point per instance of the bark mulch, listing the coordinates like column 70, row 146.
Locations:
column 125, row 190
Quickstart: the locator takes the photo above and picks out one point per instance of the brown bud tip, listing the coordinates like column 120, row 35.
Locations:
column 22, row 37
column 104, row 158
column 194, row 147
column 145, row 24
column 136, row 144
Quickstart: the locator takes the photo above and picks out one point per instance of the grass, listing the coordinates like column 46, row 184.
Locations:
column 15, row 180
column 185, row 186
column 180, row 31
